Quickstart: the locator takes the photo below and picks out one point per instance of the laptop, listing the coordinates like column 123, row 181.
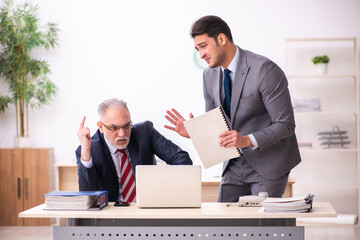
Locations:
column 168, row 186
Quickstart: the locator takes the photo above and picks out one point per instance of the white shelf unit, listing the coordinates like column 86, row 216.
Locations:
column 332, row 174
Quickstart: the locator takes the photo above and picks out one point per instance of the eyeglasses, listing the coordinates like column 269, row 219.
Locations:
column 115, row 128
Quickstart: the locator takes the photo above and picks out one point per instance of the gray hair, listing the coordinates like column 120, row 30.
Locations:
column 111, row 103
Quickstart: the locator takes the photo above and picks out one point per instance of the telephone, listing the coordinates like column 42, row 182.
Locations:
column 252, row 200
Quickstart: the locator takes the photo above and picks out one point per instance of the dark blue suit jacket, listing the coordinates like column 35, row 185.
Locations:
column 145, row 142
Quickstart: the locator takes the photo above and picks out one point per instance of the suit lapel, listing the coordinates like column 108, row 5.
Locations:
column 133, row 152
column 108, row 158
column 218, row 85
column 242, row 70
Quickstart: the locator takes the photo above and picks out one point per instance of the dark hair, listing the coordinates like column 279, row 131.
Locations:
column 212, row 26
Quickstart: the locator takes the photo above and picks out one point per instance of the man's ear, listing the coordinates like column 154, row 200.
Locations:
column 222, row 39
column 100, row 126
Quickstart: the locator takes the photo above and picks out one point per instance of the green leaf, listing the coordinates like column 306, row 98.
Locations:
column 27, row 79
column 320, row 59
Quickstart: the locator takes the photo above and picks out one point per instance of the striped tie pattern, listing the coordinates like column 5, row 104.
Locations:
column 127, row 178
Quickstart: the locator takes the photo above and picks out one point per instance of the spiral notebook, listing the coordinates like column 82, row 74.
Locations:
column 204, row 132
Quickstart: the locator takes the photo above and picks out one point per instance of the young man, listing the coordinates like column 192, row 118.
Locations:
column 253, row 91
column 107, row 160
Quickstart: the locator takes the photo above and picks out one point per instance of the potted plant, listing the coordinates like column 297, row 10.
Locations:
column 27, row 77
column 321, row 63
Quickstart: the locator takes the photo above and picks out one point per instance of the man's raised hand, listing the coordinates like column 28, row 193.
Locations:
column 85, row 140
column 177, row 121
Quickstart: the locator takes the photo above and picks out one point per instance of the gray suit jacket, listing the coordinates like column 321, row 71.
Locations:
column 260, row 105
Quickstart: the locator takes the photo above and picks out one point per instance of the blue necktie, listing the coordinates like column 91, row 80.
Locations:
column 227, row 89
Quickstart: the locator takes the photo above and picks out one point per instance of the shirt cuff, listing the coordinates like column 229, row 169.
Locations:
column 87, row 164
column 254, row 142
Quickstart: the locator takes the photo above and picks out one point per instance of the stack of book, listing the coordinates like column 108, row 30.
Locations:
column 84, row 200
column 293, row 204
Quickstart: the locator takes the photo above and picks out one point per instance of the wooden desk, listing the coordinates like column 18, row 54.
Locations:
column 207, row 210
column 211, row 221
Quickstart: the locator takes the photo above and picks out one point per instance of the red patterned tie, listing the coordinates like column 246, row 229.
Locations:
column 127, row 178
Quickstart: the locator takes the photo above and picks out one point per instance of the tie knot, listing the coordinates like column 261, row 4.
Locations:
column 122, row 151
column 227, row 71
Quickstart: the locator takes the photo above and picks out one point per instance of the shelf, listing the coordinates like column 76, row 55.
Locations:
column 325, row 113
column 319, row 39
column 352, row 186
column 329, row 150
column 321, row 76
column 64, row 165
column 327, row 172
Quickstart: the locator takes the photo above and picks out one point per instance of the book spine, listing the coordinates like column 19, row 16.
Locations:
column 228, row 128
column 223, row 116
column 103, row 200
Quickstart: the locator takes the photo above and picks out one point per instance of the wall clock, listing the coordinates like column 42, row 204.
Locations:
column 200, row 63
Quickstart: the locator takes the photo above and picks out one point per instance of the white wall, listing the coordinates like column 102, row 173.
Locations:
column 141, row 51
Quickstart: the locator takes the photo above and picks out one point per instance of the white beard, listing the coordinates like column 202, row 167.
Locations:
column 123, row 146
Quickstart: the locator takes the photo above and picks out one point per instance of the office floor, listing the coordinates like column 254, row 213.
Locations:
column 311, row 233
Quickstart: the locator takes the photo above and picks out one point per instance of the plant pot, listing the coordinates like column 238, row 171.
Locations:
column 321, row 68
column 22, row 142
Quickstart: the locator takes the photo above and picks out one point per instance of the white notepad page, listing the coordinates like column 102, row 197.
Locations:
column 204, row 132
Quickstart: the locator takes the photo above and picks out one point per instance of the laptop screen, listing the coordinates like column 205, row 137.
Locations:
column 168, row 186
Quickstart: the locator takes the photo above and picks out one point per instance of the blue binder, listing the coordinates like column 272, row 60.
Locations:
column 82, row 200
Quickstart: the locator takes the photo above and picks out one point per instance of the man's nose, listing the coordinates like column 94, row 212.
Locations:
column 121, row 132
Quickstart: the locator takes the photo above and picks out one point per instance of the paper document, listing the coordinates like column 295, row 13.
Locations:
column 204, row 132
column 69, row 200
column 293, row 204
